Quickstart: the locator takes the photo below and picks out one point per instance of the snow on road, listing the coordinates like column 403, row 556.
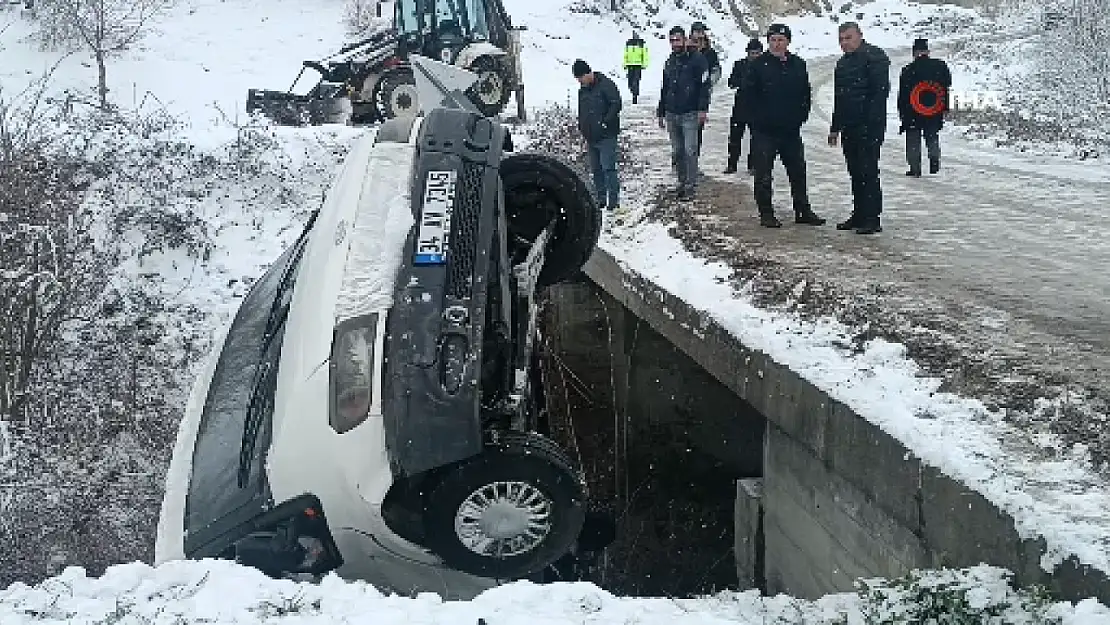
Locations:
column 222, row 593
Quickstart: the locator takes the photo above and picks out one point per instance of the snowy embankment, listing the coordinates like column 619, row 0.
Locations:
column 186, row 593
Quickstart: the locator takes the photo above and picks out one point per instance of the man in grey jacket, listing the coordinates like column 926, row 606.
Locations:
column 684, row 107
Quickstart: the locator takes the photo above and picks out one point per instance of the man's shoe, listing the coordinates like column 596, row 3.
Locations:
column 849, row 224
column 934, row 165
column 808, row 217
column 687, row 194
column 871, row 228
column 914, row 173
column 731, row 169
column 768, row 220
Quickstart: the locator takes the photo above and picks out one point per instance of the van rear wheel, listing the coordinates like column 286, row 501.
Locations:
column 509, row 512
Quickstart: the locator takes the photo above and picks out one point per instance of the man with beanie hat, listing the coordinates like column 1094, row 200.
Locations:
column 684, row 105
column 739, row 120
column 599, row 107
column 779, row 98
column 922, row 101
column 861, row 86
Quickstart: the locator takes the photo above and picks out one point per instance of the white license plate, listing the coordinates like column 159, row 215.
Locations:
column 435, row 218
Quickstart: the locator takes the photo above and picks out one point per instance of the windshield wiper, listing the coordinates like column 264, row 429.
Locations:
column 280, row 307
column 251, row 424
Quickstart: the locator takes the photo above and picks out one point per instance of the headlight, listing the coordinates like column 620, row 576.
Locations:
column 353, row 372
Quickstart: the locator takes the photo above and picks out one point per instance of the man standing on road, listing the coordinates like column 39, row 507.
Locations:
column 779, row 98
column 684, row 105
column 922, row 102
column 635, row 62
column 861, row 86
column 739, row 120
column 699, row 40
column 599, row 107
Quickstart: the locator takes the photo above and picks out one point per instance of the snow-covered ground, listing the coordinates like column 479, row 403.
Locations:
column 199, row 63
column 187, row 593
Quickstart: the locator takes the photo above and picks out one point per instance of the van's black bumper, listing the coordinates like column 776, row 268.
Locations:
column 436, row 328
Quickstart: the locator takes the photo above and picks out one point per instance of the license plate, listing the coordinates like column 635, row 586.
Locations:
column 435, row 218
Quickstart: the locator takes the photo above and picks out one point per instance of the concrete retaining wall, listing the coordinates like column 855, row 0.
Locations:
column 840, row 498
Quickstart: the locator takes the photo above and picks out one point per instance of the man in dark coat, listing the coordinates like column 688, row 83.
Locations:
column 684, row 105
column 779, row 98
column 922, row 101
column 861, row 84
column 599, row 108
column 739, row 120
column 699, row 40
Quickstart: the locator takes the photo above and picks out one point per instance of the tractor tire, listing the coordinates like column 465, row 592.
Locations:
column 492, row 92
column 539, row 188
column 395, row 95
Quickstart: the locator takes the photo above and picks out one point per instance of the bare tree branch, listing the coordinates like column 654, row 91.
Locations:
column 103, row 28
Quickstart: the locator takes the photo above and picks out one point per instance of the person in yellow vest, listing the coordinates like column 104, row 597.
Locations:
column 635, row 62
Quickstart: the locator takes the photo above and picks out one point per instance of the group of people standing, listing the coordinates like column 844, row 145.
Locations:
column 773, row 101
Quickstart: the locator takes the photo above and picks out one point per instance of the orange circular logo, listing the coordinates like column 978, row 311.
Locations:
column 927, row 87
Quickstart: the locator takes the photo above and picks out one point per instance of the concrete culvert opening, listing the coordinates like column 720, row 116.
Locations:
column 662, row 443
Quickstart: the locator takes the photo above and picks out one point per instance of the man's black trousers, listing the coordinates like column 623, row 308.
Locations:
column 861, row 154
column 736, row 127
column 764, row 148
column 634, row 81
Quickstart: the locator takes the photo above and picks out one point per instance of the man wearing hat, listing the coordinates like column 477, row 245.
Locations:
column 739, row 120
column 922, row 102
column 779, row 97
column 599, row 108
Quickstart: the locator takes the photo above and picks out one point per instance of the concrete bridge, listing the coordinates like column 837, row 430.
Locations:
column 728, row 470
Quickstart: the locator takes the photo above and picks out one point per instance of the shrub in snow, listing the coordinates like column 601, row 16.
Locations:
column 98, row 207
column 980, row 595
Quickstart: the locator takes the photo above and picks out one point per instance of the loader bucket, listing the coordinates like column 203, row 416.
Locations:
column 289, row 109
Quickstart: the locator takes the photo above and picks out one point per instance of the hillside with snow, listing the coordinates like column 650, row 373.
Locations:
column 187, row 201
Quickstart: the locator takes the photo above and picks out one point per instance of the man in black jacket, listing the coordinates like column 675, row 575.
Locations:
column 861, row 83
column 699, row 40
column 779, row 97
column 739, row 120
column 599, row 108
column 922, row 101
column 684, row 105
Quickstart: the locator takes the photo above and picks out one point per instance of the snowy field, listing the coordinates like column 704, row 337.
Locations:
column 199, row 63
column 188, row 593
